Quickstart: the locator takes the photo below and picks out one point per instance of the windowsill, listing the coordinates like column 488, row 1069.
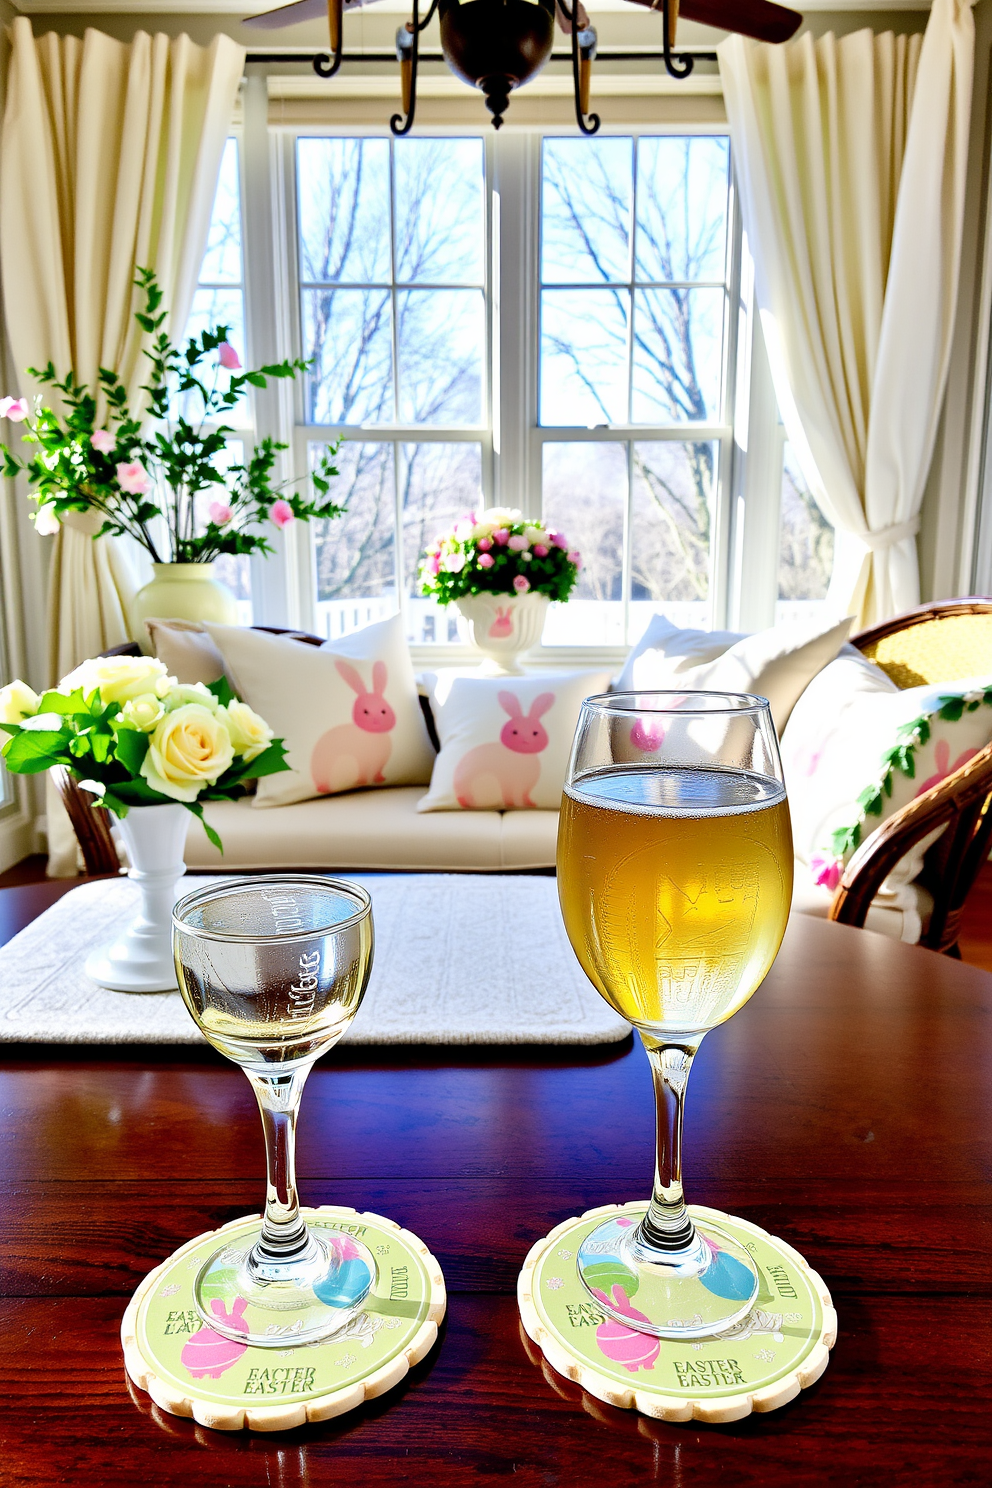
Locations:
column 542, row 658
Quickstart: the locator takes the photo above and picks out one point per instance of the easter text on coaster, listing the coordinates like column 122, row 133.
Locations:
column 759, row 1364
column 191, row 1369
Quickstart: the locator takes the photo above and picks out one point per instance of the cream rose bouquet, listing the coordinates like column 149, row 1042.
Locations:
column 134, row 736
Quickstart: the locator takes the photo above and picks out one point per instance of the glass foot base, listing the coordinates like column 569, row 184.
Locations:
column 692, row 1294
column 276, row 1309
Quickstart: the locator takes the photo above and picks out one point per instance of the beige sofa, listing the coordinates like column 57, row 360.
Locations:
column 373, row 829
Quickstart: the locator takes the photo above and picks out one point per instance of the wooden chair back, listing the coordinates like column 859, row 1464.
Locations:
column 942, row 642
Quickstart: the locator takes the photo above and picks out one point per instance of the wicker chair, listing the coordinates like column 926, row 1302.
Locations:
column 941, row 642
column 935, row 643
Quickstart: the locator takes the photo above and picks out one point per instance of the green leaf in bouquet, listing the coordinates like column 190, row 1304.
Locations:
column 113, row 803
column 69, row 705
column 131, row 748
column 139, row 793
column 196, row 808
column 101, row 743
column 33, row 750
column 223, row 691
column 272, row 761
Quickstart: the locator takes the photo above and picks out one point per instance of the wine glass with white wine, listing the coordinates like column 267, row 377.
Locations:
column 272, row 970
column 675, row 880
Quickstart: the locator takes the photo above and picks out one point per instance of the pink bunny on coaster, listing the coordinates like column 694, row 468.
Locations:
column 502, row 626
column 513, row 762
column 356, row 753
column 207, row 1354
column 622, row 1345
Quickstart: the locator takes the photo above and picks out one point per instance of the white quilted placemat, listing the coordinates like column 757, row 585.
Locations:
column 459, row 959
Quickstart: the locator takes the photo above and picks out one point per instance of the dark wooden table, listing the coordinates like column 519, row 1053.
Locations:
column 846, row 1108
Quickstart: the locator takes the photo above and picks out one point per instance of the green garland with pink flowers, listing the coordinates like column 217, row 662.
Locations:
column 902, row 757
column 174, row 473
column 499, row 552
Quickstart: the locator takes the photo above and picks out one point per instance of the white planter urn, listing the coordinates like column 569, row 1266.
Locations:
column 140, row 959
column 503, row 627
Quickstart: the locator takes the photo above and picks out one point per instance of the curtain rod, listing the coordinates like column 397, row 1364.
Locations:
column 603, row 55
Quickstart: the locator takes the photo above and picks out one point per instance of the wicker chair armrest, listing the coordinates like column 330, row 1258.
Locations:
column 963, row 796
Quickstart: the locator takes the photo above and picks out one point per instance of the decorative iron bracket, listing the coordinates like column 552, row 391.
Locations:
column 583, row 52
column 408, row 55
column 677, row 64
column 323, row 65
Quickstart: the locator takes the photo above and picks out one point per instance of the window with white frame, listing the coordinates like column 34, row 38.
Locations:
column 392, row 253
column 621, row 404
column 635, row 267
column 219, row 299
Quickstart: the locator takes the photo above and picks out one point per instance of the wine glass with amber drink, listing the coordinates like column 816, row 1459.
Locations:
column 675, row 880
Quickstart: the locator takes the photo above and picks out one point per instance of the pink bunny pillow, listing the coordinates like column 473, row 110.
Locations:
column 348, row 710
column 505, row 741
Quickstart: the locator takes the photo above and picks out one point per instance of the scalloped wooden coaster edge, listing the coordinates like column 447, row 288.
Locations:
column 321, row 1408
column 691, row 1408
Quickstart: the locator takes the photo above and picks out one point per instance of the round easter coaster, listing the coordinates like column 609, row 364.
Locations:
column 780, row 1348
column 190, row 1370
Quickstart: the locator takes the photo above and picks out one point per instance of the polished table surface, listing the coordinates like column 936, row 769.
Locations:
column 845, row 1108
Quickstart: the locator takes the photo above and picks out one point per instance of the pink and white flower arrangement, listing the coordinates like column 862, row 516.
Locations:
column 499, row 552
column 177, row 469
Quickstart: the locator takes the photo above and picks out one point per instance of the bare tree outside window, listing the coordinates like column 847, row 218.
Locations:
column 585, row 495
column 634, row 269
column 392, row 247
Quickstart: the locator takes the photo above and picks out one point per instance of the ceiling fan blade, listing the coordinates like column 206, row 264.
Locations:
column 758, row 18
column 292, row 15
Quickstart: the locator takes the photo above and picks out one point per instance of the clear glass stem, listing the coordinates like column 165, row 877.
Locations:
column 285, row 1239
column 667, row 1226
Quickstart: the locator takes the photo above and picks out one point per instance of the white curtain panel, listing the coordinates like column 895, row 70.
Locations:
column 850, row 156
column 109, row 162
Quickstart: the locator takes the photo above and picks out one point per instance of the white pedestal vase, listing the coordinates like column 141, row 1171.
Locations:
column 503, row 627
column 140, row 959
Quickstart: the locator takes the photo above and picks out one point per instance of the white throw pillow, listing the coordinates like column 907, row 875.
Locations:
column 840, row 746
column 348, row 710
column 671, row 650
column 505, row 741
column 777, row 663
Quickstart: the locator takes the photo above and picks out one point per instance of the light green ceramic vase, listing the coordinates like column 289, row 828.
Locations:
column 182, row 591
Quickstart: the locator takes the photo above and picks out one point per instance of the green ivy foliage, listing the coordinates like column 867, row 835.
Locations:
column 902, row 758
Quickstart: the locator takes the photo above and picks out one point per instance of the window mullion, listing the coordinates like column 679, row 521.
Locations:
column 278, row 596
column 398, row 570
column 721, row 547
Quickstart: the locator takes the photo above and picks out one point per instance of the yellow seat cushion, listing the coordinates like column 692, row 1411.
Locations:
column 941, row 650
